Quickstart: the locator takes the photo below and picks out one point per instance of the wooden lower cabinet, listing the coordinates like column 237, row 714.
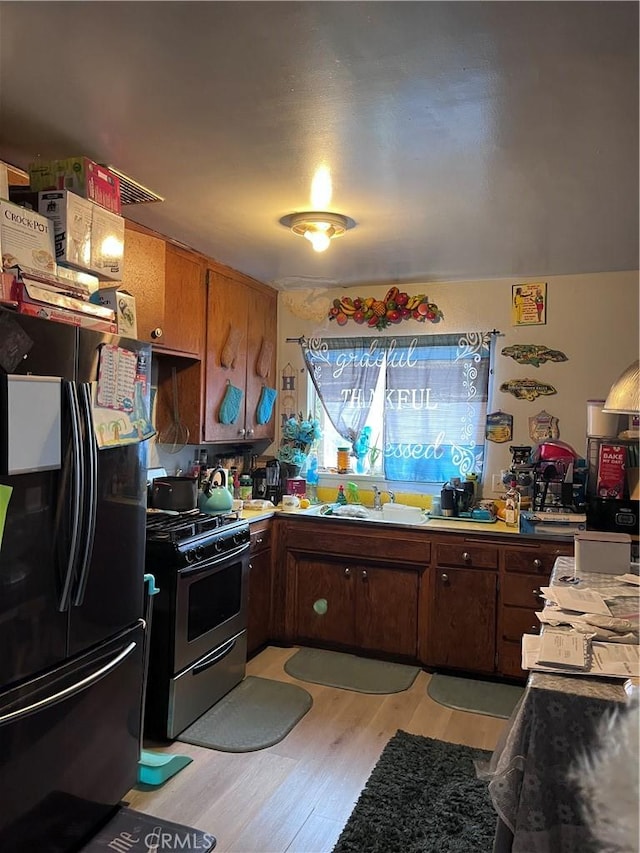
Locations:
column 259, row 598
column 356, row 605
column 461, row 622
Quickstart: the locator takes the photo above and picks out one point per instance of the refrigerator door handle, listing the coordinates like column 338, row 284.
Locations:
column 72, row 690
column 90, row 492
column 77, row 476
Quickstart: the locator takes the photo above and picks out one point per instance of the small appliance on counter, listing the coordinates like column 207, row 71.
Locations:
column 613, row 495
column 259, row 484
column 273, row 488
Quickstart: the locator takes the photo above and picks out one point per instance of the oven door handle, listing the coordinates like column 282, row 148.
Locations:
column 215, row 656
column 216, row 561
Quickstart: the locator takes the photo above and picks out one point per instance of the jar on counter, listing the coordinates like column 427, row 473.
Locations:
column 246, row 487
column 343, row 460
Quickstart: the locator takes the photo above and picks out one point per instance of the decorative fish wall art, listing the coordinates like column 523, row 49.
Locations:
column 527, row 389
column 533, row 354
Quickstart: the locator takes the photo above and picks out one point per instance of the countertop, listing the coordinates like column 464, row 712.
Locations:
column 441, row 525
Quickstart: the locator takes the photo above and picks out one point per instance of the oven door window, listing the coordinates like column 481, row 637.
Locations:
column 213, row 599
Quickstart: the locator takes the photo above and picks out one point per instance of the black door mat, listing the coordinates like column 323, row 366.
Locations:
column 350, row 672
column 254, row 715
column 135, row 832
column 490, row 698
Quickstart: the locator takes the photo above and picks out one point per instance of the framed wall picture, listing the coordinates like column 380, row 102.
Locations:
column 529, row 304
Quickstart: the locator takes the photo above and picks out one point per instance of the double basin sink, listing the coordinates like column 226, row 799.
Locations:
column 390, row 513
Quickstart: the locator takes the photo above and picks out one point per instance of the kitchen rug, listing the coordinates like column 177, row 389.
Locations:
column 491, row 698
column 349, row 672
column 422, row 795
column 257, row 713
column 135, row 832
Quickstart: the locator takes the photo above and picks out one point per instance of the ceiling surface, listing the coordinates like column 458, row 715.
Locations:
column 466, row 140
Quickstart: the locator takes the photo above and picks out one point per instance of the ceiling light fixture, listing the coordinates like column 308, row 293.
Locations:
column 319, row 228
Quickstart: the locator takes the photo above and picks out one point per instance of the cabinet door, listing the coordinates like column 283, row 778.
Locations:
column 462, row 619
column 258, row 618
column 184, row 303
column 324, row 601
column 144, row 276
column 226, row 354
column 261, row 359
column 386, row 610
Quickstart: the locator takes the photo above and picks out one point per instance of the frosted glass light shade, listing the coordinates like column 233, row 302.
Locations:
column 624, row 396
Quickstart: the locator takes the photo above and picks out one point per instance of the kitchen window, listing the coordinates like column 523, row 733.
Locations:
column 420, row 400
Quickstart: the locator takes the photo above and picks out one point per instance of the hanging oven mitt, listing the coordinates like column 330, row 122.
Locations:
column 230, row 406
column 265, row 404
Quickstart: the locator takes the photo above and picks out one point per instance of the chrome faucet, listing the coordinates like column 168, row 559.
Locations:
column 377, row 497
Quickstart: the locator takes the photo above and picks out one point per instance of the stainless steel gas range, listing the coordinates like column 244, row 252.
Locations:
column 198, row 638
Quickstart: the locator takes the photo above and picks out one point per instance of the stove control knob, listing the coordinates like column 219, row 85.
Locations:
column 218, row 545
column 189, row 556
column 199, row 553
column 238, row 539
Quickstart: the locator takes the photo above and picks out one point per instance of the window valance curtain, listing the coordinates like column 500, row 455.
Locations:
column 435, row 397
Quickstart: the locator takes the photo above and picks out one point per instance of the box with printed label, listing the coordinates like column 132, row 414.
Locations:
column 72, row 218
column 80, row 175
column 107, row 244
column 124, row 305
column 26, row 240
column 611, row 471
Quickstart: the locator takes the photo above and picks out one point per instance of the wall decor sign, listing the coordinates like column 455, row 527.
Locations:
column 533, row 354
column 529, row 304
column 499, row 427
column 543, row 426
column 380, row 313
column 527, row 389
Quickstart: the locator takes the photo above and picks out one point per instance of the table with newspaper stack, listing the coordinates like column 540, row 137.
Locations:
column 557, row 720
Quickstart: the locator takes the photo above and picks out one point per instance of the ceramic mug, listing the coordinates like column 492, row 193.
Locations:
column 290, row 502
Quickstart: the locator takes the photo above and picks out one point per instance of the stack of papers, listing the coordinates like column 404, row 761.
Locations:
column 613, row 660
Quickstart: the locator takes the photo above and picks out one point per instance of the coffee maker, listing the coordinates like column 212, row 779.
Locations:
column 259, row 484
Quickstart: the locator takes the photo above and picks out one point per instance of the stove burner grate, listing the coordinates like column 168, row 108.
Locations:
column 174, row 528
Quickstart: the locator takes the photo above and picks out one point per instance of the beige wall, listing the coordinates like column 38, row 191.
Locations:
column 592, row 318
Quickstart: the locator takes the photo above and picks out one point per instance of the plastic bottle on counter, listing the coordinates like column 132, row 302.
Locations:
column 312, row 479
column 512, row 506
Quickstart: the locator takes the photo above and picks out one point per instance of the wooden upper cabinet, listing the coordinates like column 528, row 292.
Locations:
column 185, row 299
column 240, row 354
column 169, row 286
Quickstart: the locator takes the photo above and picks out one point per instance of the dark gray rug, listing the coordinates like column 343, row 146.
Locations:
column 422, row 796
column 257, row 713
column 130, row 831
column 350, row 672
column 490, row 698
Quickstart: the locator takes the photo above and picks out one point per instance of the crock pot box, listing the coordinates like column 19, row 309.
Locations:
column 26, row 240
column 80, row 175
column 124, row 305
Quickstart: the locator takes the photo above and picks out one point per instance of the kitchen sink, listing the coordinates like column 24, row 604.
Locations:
column 358, row 512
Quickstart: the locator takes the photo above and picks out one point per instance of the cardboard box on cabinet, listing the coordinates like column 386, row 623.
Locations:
column 26, row 240
column 80, row 175
column 124, row 305
column 107, row 244
column 72, row 222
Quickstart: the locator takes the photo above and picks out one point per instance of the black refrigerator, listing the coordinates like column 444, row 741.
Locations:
column 71, row 594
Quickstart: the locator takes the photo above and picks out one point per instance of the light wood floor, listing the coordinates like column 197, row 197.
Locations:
column 297, row 795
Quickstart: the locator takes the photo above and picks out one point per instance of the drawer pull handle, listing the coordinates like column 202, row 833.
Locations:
column 466, row 557
column 364, row 576
column 537, row 563
column 259, row 541
column 347, row 573
column 445, row 578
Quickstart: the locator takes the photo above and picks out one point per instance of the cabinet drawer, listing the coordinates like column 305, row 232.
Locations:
column 523, row 590
column 510, row 658
column 517, row 621
column 534, row 560
column 466, row 555
column 260, row 538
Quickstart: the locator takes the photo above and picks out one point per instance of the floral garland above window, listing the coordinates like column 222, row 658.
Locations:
column 378, row 314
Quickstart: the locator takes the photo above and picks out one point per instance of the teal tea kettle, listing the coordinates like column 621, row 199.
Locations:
column 214, row 499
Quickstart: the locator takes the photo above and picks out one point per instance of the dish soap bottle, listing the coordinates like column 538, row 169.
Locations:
column 512, row 506
column 341, row 497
